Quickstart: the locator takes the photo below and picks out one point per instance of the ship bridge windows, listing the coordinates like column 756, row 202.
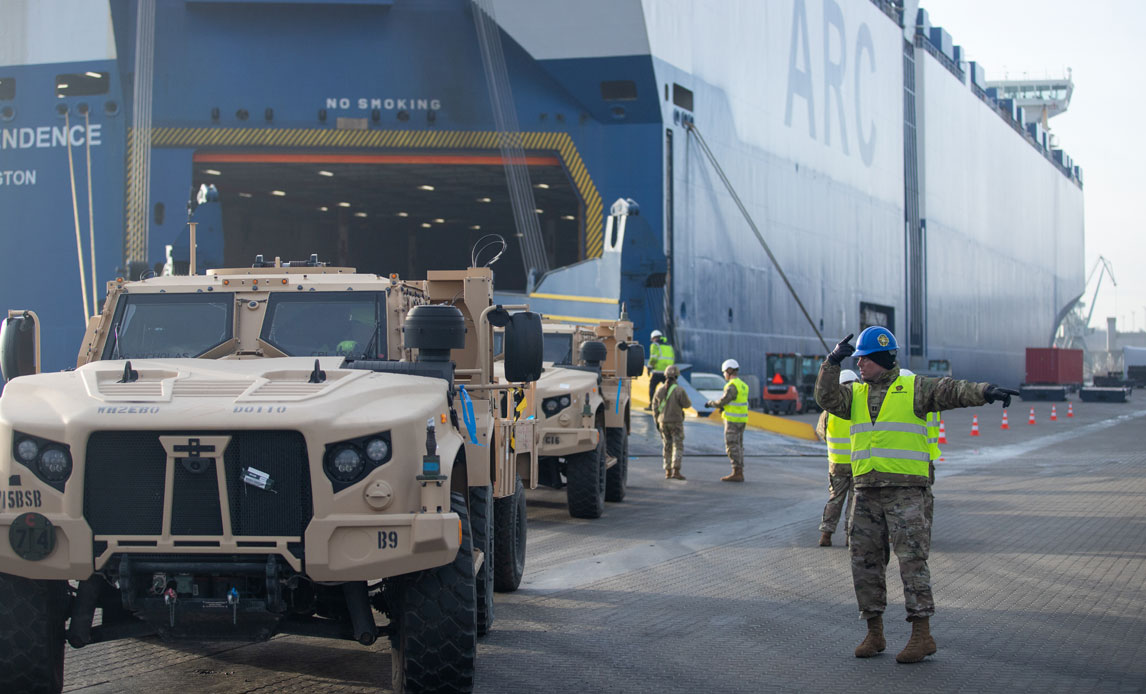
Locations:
column 82, row 84
column 387, row 213
column 7, row 88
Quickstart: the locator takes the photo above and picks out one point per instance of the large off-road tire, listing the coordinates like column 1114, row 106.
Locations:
column 482, row 530
column 434, row 644
column 617, row 478
column 585, row 474
column 32, row 615
column 509, row 540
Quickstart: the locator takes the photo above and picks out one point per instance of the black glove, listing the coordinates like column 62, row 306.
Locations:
column 842, row 351
column 994, row 393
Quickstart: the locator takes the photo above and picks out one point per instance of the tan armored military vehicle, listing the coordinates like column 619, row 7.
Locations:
column 583, row 430
column 277, row 449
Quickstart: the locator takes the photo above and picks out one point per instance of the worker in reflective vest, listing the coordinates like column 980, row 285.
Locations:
column 933, row 444
column 734, row 405
column 661, row 356
column 836, row 432
column 891, row 473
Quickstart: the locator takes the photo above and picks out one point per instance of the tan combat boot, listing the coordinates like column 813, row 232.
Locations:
column 668, row 474
column 920, row 645
column 874, row 642
column 736, row 476
column 677, row 476
column 825, row 539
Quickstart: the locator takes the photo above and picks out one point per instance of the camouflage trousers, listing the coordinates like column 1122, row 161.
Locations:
column 734, row 444
column 839, row 492
column 672, row 434
column 886, row 519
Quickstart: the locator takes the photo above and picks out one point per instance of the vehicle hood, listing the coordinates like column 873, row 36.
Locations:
column 181, row 393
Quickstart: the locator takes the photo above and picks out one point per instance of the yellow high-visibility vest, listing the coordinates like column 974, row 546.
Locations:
column 933, row 435
column 737, row 410
column 661, row 356
column 839, row 440
column 896, row 442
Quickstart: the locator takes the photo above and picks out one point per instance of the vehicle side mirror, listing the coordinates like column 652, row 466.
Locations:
column 20, row 345
column 523, row 344
column 634, row 360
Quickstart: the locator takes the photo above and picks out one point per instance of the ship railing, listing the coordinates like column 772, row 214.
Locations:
column 888, row 8
column 923, row 42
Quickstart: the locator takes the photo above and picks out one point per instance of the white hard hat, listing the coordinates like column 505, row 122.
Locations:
column 847, row 376
column 655, row 334
column 730, row 364
column 906, row 372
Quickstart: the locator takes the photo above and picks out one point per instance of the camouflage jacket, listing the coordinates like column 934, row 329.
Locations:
column 674, row 406
column 931, row 395
column 726, row 397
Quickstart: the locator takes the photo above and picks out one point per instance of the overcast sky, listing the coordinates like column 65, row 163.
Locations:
column 1100, row 41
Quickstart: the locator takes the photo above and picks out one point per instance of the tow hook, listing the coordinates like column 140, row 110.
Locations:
column 170, row 598
column 233, row 601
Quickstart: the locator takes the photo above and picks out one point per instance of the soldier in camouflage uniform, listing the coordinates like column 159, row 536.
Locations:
column 891, row 468
column 733, row 404
column 669, row 403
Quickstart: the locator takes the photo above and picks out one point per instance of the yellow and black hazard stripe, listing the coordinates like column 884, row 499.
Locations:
column 406, row 140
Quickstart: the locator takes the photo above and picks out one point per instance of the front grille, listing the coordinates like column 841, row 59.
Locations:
column 123, row 483
column 287, row 509
column 195, row 502
column 125, row 475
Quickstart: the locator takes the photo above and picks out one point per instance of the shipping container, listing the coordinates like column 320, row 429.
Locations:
column 1053, row 366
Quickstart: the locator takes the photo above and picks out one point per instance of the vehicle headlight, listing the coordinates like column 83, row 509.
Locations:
column 50, row 461
column 377, row 450
column 54, row 464
column 350, row 460
column 27, row 450
column 346, row 465
column 555, row 404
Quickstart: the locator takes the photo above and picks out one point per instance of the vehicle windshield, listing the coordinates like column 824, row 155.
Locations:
column 783, row 364
column 558, row 348
column 707, row 382
column 348, row 324
column 169, row 325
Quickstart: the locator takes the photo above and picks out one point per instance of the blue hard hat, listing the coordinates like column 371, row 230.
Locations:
column 875, row 339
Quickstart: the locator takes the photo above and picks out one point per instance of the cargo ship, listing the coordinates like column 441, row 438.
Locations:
column 619, row 147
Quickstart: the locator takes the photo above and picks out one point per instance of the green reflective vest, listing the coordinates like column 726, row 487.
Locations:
column 661, row 356
column 839, row 441
column 737, row 410
column 933, row 435
column 896, row 442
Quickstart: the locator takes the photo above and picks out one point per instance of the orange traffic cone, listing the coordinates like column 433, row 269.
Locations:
column 975, row 425
column 1070, row 409
column 1005, row 425
column 1054, row 414
column 1031, row 420
column 942, row 433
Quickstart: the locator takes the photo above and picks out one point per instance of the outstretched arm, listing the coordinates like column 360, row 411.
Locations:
column 830, row 395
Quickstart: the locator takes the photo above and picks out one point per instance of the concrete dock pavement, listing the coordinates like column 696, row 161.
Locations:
column 1038, row 567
